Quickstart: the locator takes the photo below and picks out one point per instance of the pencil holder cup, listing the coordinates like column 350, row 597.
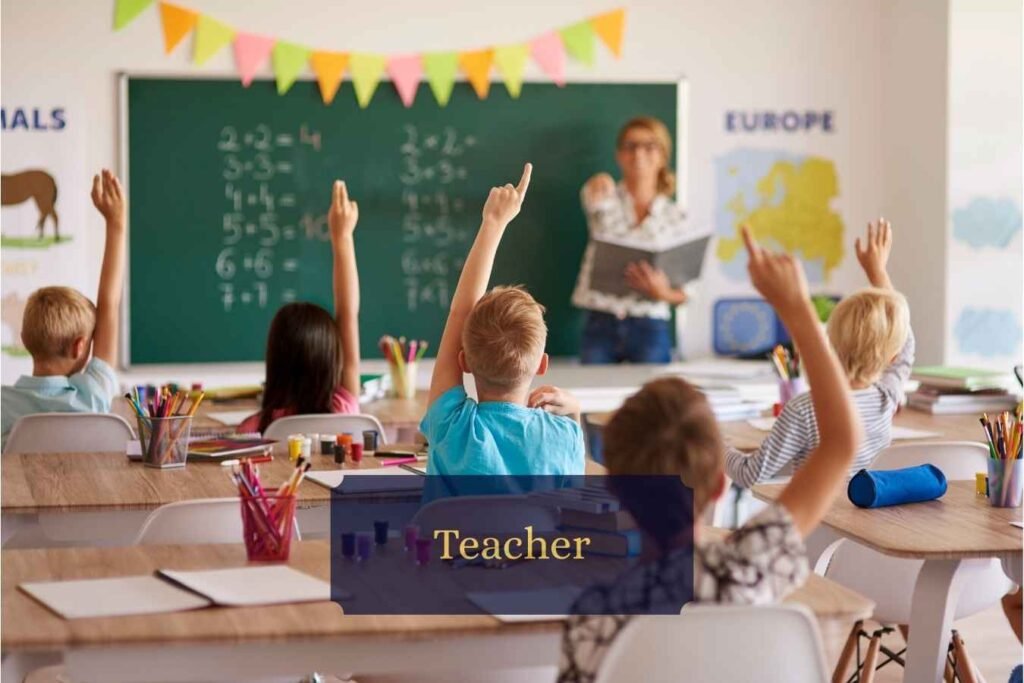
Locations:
column 788, row 388
column 267, row 524
column 1005, row 482
column 403, row 380
column 164, row 440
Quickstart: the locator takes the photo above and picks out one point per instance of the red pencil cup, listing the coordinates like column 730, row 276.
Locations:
column 267, row 524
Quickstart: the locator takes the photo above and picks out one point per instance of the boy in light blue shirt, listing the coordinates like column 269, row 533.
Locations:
column 499, row 338
column 61, row 329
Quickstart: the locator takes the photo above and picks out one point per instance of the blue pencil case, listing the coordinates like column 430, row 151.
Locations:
column 881, row 488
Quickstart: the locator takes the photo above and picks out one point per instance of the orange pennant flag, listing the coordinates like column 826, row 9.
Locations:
column 477, row 67
column 609, row 27
column 329, row 68
column 177, row 23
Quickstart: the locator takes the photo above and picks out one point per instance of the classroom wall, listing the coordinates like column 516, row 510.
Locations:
column 858, row 61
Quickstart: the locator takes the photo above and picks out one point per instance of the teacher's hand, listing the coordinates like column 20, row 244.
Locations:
column 599, row 187
column 653, row 283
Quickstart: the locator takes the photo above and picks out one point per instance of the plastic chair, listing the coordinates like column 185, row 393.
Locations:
column 486, row 514
column 200, row 521
column 327, row 423
column 779, row 643
column 69, row 432
column 889, row 581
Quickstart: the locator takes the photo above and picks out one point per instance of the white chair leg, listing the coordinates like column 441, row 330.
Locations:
column 931, row 620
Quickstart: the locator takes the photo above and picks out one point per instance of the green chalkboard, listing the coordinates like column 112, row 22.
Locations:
column 229, row 188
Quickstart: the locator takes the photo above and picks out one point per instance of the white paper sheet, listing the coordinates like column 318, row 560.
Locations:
column 557, row 601
column 333, row 478
column 248, row 586
column 765, row 424
column 762, row 424
column 116, row 597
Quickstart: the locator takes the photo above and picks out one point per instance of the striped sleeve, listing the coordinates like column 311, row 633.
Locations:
column 896, row 375
column 793, row 435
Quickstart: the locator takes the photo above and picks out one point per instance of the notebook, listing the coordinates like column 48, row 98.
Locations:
column 681, row 260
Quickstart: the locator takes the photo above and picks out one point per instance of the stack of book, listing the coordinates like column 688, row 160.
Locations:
column 594, row 513
column 951, row 390
column 728, row 403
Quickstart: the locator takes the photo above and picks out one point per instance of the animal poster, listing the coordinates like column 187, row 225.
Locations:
column 48, row 233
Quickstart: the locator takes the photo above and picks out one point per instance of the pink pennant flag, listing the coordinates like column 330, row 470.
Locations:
column 405, row 72
column 549, row 53
column 251, row 54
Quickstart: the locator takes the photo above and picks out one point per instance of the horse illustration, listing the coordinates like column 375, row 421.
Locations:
column 36, row 185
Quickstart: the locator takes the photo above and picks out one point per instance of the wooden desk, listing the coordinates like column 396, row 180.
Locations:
column 958, row 526
column 266, row 641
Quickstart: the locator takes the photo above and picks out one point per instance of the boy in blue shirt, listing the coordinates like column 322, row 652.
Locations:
column 499, row 338
column 61, row 329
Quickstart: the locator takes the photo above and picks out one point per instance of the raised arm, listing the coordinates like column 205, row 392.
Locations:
column 108, row 198
column 342, row 217
column 502, row 205
column 780, row 279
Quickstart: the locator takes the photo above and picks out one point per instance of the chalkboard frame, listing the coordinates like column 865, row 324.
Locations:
column 680, row 142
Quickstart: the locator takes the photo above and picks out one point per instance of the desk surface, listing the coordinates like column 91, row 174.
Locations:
column 959, row 525
column 27, row 624
column 54, row 482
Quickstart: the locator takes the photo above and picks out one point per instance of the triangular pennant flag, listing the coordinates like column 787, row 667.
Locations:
column 609, row 28
column 548, row 52
column 440, row 68
column 251, row 54
column 477, row 67
column 405, row 73
column 329, row 68
column 211, row 36
column 511, row 61
column 126, row 10
column 366, row 72
column 579, row 42
column 177, row 22
column 289, row 61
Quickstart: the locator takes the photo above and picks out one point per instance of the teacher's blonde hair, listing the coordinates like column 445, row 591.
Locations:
column 666, row 178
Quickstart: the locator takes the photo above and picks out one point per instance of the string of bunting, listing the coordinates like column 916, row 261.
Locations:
column 440, row 69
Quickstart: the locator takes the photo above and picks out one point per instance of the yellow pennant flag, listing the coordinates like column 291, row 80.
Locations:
column 211, row 36
column 177, row 23
column 329, row 68
column 609, row 27
column 511, row 62
column 477, row 67
column 366, row 72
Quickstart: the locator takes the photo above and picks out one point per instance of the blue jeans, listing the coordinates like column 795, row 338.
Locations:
column 606, row 340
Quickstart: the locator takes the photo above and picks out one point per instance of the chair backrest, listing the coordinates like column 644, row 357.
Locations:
column 328, row 423
column 199, row 521
column 958, row 460
column 778, row 643
column 69, row 432
column 483, row 514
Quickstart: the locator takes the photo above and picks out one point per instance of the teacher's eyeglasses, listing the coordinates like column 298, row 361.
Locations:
column 632, row 147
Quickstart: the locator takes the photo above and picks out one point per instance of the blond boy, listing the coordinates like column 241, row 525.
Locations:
column 499, row 338
column 870, row 333
column 61, row 329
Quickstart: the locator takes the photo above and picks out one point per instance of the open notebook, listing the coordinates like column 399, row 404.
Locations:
column 177, row 591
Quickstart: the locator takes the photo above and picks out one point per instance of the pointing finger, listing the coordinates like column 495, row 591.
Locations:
column 343, row 192
column 753, row 250
column 524, row 182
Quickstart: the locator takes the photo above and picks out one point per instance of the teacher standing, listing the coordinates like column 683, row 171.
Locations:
column 635, row 327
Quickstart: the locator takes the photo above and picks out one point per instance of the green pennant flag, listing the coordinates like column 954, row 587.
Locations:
column 366, row 71
column 511, row 61
column 440, row 68
column 289, row 61
column 579, row 42
column 211, row 36
column 125, row 11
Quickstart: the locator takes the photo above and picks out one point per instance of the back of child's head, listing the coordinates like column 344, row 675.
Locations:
column 504, row 338
column 667, row 428
column 867, row 329
column 303, row 361
column 54, row 318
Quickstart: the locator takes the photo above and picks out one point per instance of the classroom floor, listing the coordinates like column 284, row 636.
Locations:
column 990, row 642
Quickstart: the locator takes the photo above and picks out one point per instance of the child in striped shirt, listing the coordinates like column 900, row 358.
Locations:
column 870, row 332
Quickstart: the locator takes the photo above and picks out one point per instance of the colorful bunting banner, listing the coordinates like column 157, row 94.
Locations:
column 609, row 27
column 439, row 68
column 329, row 68
column 177, row 23
column 289, row 61
column 511, row 62
column 211, row 36
column 405, row 73
column 251, row 53
column 366, row 72
column 125, row 11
